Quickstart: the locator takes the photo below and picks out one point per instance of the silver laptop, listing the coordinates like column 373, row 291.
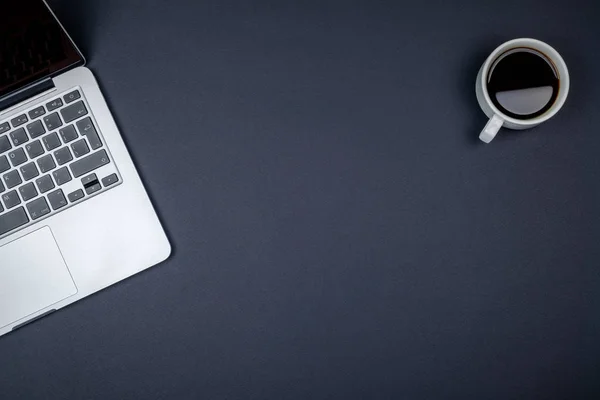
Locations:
column 74, row 216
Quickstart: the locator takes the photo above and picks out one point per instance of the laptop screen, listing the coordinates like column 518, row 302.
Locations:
column 33, row 45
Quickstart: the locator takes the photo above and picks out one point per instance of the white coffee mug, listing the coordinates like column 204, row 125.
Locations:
column 497, row 118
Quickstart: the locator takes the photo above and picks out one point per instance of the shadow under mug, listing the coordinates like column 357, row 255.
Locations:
column 498, row 119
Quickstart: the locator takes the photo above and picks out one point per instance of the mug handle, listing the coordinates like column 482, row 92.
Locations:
column 491, row 129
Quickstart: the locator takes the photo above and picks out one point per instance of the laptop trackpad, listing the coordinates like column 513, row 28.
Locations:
column 33, row 276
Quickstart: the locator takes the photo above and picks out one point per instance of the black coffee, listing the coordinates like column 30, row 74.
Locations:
column 523, row 83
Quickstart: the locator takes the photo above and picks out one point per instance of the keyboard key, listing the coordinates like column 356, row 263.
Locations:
column 51, row 141
column 110, row 180
column 57, row 199
column 4, row 164
column 46, row 163
column 89, row 163
column 38, row 208
column 5, row 127
column 74, row 111
column 34, row 149
column 4, row 144
column 18, row 121
column 12, row 179
column 86, row 127
column 62, row 176
column 80, row 148
column 11, row 199
column 63, row 156
column 35, row 129
column 44, row 183
column 76, row 195
column 54, row 104
column 13, row 220
column 17, row 157
column 90, row 179
column 19, row 137
column 93, row 188
column 52, row 121
column 37, row 112
column 28, row 191
column 29, row 171
column 1, row 207
column 71, row 97
column 68, row 134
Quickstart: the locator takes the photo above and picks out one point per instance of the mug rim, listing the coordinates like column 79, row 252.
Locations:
column 555, row 58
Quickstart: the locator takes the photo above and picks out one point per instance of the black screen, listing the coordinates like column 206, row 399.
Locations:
column 33, row 46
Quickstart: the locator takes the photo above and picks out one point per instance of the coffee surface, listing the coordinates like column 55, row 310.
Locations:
column 523, row 83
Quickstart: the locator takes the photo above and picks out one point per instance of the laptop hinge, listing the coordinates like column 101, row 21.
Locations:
column 26, row 93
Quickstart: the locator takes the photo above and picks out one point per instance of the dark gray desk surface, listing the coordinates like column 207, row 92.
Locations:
column 338, row 230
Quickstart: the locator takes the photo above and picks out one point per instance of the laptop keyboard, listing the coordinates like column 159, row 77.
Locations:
column 51, row 158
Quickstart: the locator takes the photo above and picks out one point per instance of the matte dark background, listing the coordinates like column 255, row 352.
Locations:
column 339, row 231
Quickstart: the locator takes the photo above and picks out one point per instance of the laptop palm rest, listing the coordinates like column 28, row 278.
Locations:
column 34, row 276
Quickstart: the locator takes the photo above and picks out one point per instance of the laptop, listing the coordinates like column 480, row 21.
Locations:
column 74, row 215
